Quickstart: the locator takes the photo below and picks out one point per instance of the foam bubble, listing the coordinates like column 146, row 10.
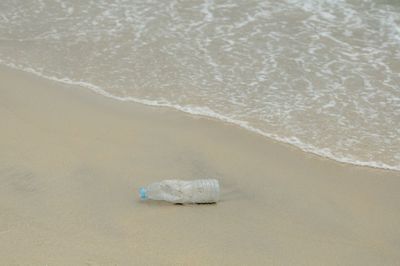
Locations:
column 321, row 75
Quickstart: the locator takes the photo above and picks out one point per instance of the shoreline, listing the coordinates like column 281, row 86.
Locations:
column 71, row 162
column 199, row 111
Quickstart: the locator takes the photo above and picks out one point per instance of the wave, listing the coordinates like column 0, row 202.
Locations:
column 205, row 111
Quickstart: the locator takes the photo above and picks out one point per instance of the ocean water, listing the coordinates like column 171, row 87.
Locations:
column 323, row 75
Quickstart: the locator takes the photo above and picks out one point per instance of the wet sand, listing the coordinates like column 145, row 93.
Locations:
column 71, row 163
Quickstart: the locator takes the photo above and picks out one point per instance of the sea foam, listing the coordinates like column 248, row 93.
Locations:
column 320, row 75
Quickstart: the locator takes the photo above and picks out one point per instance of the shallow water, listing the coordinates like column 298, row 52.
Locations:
column 322, row 75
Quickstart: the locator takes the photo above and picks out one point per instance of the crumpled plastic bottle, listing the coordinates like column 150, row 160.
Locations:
column 181, row 191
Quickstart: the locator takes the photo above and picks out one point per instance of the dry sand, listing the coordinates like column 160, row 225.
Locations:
column 71, row 163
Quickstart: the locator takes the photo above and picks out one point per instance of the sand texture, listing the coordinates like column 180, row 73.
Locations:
column 71, row 163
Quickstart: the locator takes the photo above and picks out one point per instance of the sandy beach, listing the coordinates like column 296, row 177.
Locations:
column 71, row 163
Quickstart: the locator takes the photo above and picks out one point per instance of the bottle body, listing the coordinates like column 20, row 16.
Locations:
column 181, row 191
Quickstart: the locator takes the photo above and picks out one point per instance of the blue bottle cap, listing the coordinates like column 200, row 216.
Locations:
column 143, row 193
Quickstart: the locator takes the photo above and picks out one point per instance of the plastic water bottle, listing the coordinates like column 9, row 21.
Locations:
column 180, row 191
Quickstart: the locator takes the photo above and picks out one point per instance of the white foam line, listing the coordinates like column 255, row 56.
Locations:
column 207, row 112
